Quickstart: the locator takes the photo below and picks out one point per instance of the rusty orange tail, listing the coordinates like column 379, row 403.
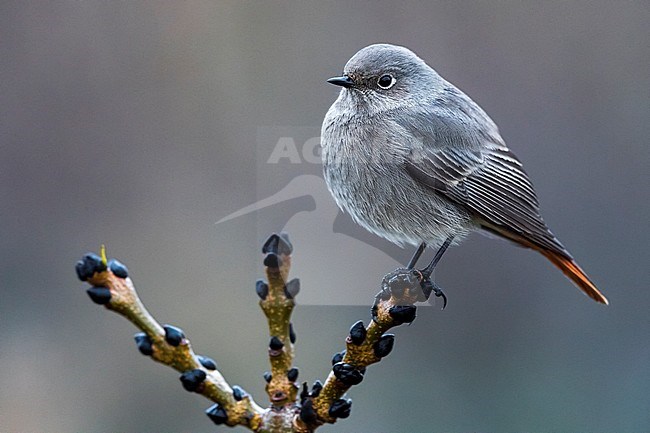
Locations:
column 547, row 244
column 571, row 269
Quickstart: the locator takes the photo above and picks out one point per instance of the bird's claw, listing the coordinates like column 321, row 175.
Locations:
column 440, row 294
column 429, row 287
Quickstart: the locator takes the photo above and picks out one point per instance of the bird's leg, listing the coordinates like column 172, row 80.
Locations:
column 429, row 286
column 426, row 272
column 416, row 256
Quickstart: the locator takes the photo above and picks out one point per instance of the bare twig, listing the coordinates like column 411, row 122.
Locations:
column 277, row 302
column 287, row 412
column 167, row 344
column 365, row 345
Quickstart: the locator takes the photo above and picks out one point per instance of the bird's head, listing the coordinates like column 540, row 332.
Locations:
column 386, row 75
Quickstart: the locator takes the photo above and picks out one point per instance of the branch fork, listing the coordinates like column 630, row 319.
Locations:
column 287, row 411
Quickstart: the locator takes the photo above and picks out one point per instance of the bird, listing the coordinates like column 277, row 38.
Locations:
column 413, row 159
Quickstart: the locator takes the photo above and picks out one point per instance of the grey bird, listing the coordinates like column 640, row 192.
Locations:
column 414, row 160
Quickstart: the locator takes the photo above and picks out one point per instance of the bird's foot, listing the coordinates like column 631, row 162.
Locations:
column 400, row 290
column 404, row 284
column 401, row 283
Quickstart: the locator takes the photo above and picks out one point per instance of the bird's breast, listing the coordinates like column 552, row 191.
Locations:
column 363, row 166
column 365, row 175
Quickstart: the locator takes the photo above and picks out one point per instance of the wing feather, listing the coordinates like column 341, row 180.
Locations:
column 491, row 185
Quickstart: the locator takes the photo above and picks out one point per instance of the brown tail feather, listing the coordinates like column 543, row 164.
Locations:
column 571, row 269
column 563, row 261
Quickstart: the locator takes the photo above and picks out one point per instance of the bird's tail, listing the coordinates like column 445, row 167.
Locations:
column 571, row 269
column 553, row 250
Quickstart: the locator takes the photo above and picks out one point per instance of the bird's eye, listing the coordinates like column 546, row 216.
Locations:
column 386, row 81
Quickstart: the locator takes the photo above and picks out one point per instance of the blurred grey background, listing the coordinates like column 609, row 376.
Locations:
column 136, row 124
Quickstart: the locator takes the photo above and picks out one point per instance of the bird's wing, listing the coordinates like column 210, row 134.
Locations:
column 491, row 184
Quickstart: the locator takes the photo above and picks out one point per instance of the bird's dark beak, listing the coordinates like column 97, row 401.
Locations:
column 343, row 81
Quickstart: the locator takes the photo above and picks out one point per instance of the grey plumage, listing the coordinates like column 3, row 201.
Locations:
column 413, row 159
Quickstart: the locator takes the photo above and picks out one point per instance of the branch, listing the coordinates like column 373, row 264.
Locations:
column 288, row 412
column 167, row 344
column 365, row 345
column 277, row 302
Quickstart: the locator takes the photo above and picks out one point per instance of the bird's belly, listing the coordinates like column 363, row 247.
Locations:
column 385, row 200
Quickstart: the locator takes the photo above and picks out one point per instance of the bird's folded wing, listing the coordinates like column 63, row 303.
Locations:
column 491, row 185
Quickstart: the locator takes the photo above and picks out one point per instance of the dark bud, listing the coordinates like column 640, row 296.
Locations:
column 268, row 376
column 238, row 393
column 284, row 245
column 99, row 295
column 173, row 335
column 340, row 408
column 276, row 343
column 292, row 288
column 384, row 346
column 304, row 393
column 292, row 374
column 81, row 271
column 278, row 244
column 217, row 414
column 144, row 343
column 118, row 269
column 272, row 260
column 338, row 357
column 357, row 333
column 88, row 265
column 307, row 412
column 192, row 379
column 206, row 362
column 316, row 388
column 292, row 334
column 402, row 314
column 347, row 374
column 271, row 244
column 262, row 289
